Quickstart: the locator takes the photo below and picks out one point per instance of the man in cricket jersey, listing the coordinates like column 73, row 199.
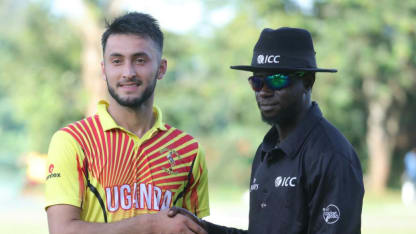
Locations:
column 119, row 170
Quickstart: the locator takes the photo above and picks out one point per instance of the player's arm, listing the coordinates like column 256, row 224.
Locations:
column 336, row 190
column 65, row 219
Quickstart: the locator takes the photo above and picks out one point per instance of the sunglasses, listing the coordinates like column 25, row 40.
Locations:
column 276, row 81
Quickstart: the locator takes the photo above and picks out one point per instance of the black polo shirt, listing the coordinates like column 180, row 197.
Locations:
column 309, row 183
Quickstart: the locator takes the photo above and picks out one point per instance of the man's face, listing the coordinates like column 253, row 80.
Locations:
column 280, row 106
column 131, row 66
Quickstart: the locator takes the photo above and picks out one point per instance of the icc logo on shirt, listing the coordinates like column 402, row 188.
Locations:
column 285, row 181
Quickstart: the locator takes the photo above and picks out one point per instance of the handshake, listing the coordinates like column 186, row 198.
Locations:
column 191, row 223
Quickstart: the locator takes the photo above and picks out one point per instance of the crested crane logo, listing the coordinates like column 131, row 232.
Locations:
column 171, row 158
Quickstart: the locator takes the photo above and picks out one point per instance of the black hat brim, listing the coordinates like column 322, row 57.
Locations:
column 267, row 69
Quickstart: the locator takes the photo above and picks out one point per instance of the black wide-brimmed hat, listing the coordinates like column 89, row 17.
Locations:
column 283, row 49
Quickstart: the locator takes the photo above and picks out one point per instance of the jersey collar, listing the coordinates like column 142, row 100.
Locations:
column 108, row 122
column 294, row 140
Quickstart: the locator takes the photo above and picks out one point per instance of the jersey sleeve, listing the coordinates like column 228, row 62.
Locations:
column 196, row 199
column 336, row 193
column 64, row 182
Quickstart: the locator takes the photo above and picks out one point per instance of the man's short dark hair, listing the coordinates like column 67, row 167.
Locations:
column 140, row 24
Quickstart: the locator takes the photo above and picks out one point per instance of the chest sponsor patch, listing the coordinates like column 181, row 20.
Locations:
column 331, row 214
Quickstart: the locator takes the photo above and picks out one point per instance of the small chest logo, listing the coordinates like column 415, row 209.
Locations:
column 254, row 186
column 331, row 214
column 171, row 159
column 285, row 181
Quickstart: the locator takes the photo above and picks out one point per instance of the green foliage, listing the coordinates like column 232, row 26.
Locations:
column 42, row 89
column 40, row 78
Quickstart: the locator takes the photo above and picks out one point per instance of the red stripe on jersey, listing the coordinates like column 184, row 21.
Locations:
column 194, row 196
column 78, row 133
column 127, row 160
column 91, row 145
column 111, row 160
column 77, row 136
column 156, row 137
column 173, row 179
column 175, row 144
column 171, row 187
column 80, row 178
column 96, row 140
column 116, row 159
column 145, row 155
column 109, row 154
column 104, row 146
column 163, row 141
column 188, row 148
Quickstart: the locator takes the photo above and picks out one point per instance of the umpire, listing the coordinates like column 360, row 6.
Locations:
column 306, row 177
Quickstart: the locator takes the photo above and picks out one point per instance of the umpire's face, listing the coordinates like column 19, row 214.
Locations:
column 284, row 103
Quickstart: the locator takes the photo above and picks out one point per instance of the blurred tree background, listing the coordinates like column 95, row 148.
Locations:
column 50, row 76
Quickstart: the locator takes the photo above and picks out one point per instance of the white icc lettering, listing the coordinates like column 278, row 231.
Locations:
column 272, row 58
column 138, row 196
column 110, row 200
column 125, row 197
column 285, row 182
column 291, row 182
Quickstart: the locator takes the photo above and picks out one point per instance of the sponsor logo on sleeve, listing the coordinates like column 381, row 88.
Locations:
column 331, row 214
column 51, row 173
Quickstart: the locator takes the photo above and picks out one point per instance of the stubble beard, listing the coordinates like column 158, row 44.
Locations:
column 134, row 103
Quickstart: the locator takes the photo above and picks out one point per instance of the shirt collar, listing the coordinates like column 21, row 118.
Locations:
column 108, row 122
column 294, row 140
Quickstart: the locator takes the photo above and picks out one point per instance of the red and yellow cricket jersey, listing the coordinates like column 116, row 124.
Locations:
column 132, row 175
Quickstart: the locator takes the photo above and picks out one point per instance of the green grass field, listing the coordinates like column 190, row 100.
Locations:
column 381, row 214
column 386, row 215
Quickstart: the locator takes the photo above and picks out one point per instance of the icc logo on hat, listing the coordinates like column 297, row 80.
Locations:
column 261, row 59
